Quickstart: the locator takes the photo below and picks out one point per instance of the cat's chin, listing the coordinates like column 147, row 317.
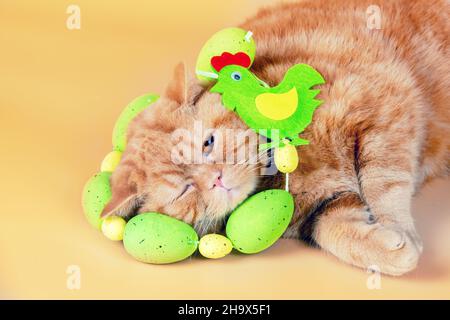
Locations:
column 230, row 197
column 225, row 201
column 209, row 225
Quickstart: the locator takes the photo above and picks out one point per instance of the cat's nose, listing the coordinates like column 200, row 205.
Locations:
column 218, row 182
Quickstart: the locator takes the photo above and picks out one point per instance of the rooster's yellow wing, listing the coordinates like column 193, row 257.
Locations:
column 277, row 106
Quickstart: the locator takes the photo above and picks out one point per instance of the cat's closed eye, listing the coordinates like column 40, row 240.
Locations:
column 186, row 189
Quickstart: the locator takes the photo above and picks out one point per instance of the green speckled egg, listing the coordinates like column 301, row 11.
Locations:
column 96, row 194
column 119, row 137
column 260, row 221
column 156, row 238
column 232, row 40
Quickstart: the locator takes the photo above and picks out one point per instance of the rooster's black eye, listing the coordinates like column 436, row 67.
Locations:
column 236, row 76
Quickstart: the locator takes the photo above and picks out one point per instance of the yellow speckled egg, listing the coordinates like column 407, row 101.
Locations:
column 214, row 246
column 113, row 227
column 286, row 158
column 111, row 161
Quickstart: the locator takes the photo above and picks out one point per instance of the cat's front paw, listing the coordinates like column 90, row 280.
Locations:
column 393, row 250
column 391, row 247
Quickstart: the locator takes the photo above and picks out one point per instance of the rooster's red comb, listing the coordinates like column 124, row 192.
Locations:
column 226, row 59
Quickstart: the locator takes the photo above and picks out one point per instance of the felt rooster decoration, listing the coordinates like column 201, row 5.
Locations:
column 279, row 113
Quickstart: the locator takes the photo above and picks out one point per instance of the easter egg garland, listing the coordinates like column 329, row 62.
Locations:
column 159, row 239
column 255, row 224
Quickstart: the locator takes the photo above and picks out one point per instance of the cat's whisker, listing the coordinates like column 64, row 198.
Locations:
column 255, row 158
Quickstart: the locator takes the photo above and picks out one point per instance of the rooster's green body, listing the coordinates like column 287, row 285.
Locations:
column 279, row 113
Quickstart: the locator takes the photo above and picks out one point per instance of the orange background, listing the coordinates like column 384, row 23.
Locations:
column 61, row 92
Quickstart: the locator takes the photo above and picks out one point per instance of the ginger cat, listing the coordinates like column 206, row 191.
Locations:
column 381, row 133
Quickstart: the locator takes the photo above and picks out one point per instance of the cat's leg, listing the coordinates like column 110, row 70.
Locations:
column 387, row 186
column 347, row 230
column 377, row 227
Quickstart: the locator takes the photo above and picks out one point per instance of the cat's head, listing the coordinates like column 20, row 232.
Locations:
column 187, row 157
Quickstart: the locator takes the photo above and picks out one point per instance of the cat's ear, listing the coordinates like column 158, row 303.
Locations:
column 183, row 88
column 125, row 200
